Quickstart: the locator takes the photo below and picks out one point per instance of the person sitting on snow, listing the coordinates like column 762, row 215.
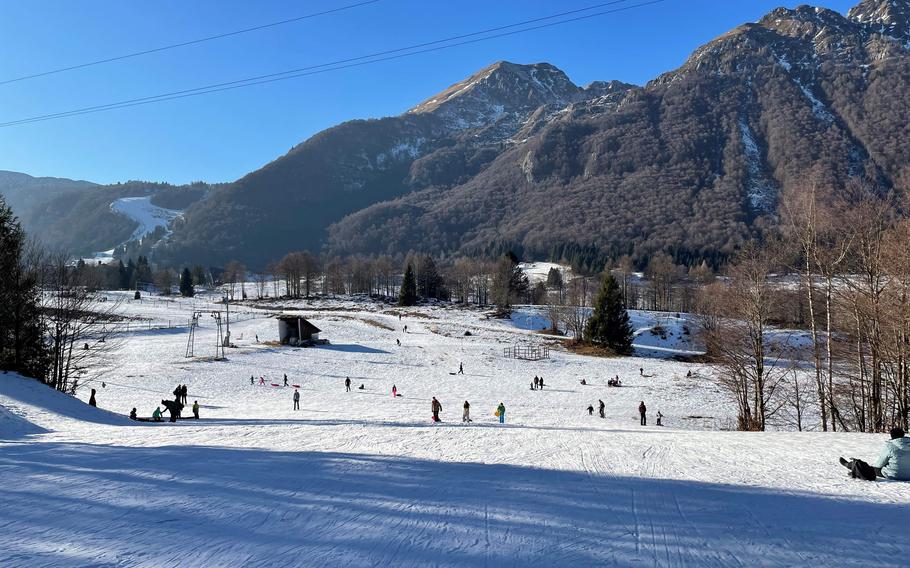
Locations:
column 892, row 463
column 156, row 416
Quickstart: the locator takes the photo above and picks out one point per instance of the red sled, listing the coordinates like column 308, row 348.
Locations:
column 275, row 385
column 296, row 386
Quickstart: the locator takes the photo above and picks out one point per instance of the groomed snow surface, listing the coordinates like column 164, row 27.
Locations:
column 364, row 479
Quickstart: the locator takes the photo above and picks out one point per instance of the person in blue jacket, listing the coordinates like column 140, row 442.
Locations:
column 892, row 463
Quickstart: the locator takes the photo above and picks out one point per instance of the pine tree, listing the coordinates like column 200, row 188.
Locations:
column 408, row 294
column 429, row 281
column 22, row 327
column 186, row 284
column 609, row 324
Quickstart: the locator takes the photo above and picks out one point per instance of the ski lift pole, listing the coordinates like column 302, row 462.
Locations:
column 227, row 323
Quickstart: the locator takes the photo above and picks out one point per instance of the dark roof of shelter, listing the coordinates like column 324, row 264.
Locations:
column 305, row 325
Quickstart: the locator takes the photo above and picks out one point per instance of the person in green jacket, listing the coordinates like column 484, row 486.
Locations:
column 196, row 409
column 893, row 462
column 156, row 416
column 501, row 412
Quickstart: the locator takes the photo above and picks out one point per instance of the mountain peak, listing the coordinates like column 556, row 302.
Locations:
column 890, row 17
column 499, row 90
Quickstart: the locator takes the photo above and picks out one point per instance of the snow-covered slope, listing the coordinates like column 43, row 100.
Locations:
column 364, row 479
column 148, row 215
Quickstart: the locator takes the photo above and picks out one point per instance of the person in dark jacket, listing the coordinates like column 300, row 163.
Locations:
column 296, row 400
column 347, row 384
column 133, row 414
column 461, row 368
column 541, row 383
column 642, row 410
column 285, row 379
column 184, row 392
column 173, row 407
column 466, row 415
column 590, row 410
column 91, row 399
column 536, row 383
column 601, row 408
column 178, row 392
column 436, row 408
column 252, row 381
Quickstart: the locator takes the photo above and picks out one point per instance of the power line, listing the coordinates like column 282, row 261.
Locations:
column 186, row 43
column 340, row 64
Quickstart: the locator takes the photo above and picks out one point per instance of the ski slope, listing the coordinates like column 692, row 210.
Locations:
column 147, row 215
column 364, row 479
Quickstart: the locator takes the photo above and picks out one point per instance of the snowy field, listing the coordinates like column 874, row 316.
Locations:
column 364, row 479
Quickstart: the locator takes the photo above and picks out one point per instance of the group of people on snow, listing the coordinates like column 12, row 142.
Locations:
column 537, row 383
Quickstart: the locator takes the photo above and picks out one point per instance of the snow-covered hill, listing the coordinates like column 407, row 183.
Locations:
column 364, row 479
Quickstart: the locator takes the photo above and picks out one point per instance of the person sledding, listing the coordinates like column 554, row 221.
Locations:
column 436, row 407
column 893, row 462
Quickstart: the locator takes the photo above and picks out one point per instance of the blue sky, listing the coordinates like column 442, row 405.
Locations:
column 222, row 136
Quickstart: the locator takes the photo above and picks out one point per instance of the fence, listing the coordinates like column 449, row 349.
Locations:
column 527, row 352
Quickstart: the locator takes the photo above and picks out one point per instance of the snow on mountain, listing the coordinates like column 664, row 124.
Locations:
column 148, row 215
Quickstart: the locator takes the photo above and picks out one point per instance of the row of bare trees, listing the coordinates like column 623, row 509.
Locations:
column 850, row 365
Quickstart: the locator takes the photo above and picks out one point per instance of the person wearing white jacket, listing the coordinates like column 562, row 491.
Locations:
column 893, row 462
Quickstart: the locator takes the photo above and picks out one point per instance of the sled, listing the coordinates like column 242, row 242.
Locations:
column 275, row 385
column 453, row 373
column 296, row 386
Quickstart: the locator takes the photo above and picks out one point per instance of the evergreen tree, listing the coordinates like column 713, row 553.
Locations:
column 22, row 328
column 408, row 294
column 186, row 284
column 609, row 324
column 429, row 281
column 554, row 278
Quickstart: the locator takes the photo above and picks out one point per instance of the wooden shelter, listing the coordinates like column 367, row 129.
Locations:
column 296, row 330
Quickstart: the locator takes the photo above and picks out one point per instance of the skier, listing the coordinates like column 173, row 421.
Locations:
column 296, row 400
column 601, row 408
column 436, row 408
column 285, row 379
column 347, row 384
column 892, row 463
column 156, row 416
column 590, row 410
column 642, row 409
column 91, row 399
column 460, row 368
column 196, row 409
column 501, row 413
column 466, row 415
column 394, row 391
column 133, row 414
column 659, row 418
